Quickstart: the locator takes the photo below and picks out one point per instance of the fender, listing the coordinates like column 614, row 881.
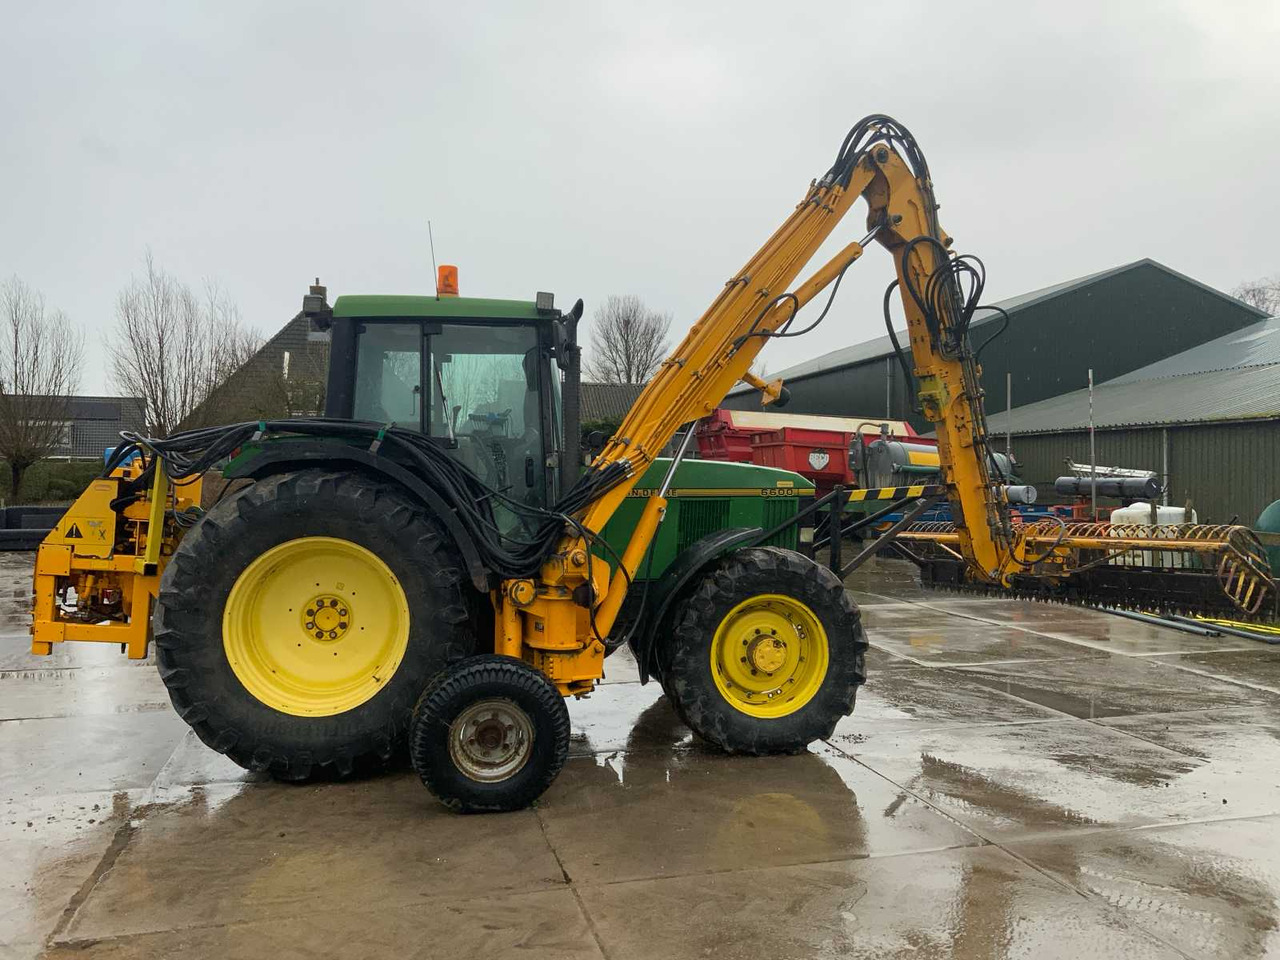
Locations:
column 664, row 591
column 284, row 456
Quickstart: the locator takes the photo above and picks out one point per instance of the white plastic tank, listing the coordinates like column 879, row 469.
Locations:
column 1140, row 515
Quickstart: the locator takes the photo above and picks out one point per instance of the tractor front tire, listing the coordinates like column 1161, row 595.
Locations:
column 300, row 619
column 489, row 735
column 767, row 654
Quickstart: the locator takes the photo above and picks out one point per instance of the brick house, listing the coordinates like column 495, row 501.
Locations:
column 286, row 377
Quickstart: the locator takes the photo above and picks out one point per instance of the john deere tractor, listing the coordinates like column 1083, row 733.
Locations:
column 301, row 617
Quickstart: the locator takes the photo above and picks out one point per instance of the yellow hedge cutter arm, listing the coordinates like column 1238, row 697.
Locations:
column 879, row 162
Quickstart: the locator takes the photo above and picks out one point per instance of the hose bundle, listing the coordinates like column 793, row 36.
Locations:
column 511, row 554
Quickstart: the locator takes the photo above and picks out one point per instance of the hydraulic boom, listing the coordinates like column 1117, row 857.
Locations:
column 879, row 162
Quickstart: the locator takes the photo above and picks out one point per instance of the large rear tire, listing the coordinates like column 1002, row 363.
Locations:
column 298, row 622
column 767, row 654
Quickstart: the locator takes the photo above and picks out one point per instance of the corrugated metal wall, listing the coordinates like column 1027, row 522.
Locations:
column 1237, row 466
column 1226, row 470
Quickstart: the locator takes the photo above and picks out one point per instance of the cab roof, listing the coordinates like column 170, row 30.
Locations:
column 383, row 305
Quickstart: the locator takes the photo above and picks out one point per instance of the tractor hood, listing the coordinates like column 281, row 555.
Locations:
column 718, row 478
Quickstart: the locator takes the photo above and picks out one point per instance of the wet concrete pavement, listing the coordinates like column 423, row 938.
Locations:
column 1017, row 780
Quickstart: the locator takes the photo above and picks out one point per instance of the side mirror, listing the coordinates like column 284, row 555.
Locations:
column 559, row 339
column 564, row 333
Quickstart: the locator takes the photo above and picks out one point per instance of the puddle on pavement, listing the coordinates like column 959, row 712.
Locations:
column 1086, row 708
column 1012, row 781
column 644, row 798
column 1213, row 889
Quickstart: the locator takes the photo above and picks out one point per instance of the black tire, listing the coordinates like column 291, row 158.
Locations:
column 684, row 656
column 483, row 679
column 349, row 506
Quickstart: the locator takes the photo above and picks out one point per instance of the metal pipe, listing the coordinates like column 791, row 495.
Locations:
column 835, row 524
column 1164, row 472
column 888, row 389
column 675, row 461
column 1071, row 541
column 863, row 521
column 1130, row 488
column 651, row 517
column 1246, row 634
column 879, row 514
column 1008, row 414
column 802, row 514
column 1160, row 622
column 887, row 537
column 1093, row 455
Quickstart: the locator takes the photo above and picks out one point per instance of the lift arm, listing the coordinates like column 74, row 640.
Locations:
column 755, row 305
column 562, row 622
column 880, row 162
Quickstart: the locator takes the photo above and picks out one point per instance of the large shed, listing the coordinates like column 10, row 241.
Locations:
column 1206, row 420
column 1112, row 322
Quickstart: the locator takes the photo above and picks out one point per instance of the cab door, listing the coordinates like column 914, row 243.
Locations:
column 388, row 387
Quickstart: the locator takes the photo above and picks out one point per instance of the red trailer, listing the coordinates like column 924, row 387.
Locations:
column 818, row 455
column 815, row 447
column 722, row 437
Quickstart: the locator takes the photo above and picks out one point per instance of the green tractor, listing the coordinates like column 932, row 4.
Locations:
column 346, row 583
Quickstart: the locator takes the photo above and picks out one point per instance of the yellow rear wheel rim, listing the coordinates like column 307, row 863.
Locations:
column 769, row 656
column 315, row 626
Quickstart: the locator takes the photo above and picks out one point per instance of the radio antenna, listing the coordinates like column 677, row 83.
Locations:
column 434, row 269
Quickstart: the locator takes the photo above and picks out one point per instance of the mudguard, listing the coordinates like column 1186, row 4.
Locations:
column 682, row 571
column 299, row 454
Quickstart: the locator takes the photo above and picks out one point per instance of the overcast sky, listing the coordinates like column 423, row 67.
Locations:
column 591, row 149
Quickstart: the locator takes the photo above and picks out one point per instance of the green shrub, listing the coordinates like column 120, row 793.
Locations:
column 50, row 481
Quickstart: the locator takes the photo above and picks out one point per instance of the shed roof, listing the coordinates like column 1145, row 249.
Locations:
column 125, row 409
column 608, row 401
column 881, row 347
column 1252, row 346
column 1234, row 377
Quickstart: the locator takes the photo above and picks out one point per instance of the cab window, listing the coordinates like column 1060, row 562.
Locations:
column 389, row 374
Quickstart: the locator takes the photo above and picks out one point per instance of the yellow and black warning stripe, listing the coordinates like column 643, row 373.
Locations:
column 898, row 493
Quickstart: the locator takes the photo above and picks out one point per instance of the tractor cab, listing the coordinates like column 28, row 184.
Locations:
column 484, row 378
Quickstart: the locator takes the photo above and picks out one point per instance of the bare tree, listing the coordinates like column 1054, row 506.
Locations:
column 628, row 341
column 40, row 360
column 173, row 348
column 1263, row 294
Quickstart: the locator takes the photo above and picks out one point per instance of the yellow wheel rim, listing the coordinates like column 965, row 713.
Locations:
column 769, row 656
column 315, row 626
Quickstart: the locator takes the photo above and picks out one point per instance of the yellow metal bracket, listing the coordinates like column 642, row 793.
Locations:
column 149, row 563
